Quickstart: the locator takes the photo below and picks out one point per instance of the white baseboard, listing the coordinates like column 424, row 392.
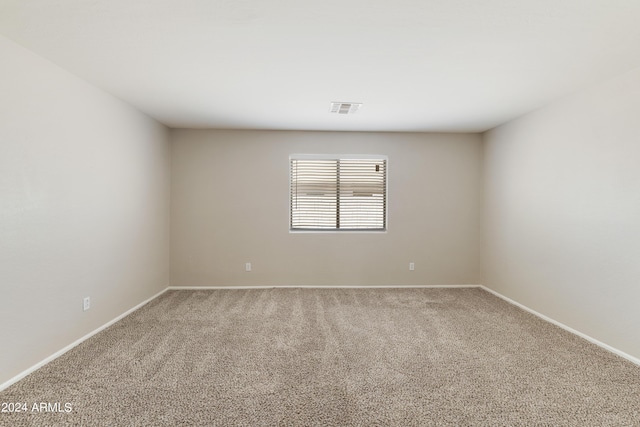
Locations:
column 565, row 327
column 75, row 343
column 202, row 288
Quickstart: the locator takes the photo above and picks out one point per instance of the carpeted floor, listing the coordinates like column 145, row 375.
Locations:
column 331, row 357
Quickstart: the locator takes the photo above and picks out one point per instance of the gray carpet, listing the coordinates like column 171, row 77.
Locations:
column 332, row 357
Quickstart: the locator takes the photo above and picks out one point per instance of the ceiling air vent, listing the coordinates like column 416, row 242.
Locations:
column 345, row 107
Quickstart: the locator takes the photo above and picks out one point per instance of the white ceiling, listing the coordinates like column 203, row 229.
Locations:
column 430, row 65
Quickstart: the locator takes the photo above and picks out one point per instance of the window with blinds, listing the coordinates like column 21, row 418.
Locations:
column 338, row 194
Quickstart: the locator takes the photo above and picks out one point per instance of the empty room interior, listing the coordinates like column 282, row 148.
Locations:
column 218, row 212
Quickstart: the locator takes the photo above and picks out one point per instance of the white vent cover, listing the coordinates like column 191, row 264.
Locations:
column 345, row 107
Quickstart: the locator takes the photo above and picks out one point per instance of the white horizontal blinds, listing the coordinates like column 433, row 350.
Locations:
column 338, row 194
column 314, row 190
column 362, row 194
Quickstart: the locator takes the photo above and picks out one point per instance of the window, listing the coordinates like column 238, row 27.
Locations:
column 338, row 193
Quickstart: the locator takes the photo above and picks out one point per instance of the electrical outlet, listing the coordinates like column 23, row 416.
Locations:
column 247, row 267
column 412, row 266
column 86, row 304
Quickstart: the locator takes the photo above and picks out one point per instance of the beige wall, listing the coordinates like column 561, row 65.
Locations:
column 230, row 201
column 562, row 212
column 84, row 183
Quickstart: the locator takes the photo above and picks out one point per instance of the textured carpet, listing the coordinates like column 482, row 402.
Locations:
column 331, row 357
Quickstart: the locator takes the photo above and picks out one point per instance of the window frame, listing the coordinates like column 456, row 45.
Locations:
column 307, row 156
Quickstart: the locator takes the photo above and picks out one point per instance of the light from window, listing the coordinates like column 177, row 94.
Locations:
column 338, row 194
